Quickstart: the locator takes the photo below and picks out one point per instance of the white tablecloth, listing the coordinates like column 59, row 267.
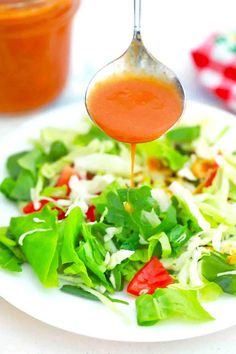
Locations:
column 102, row 31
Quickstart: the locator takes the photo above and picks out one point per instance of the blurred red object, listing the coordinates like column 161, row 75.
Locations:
column 65, row 176
column 30, row 208
column 90, row 214
column 34, row 51
column 215, row 61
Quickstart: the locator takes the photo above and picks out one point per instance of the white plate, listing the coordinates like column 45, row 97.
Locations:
column 82, row 316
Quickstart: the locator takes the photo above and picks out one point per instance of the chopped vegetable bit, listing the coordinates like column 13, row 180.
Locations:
column 202, row 168
column 30, row 208
column 150, row 277
column 90, row 214
column 65, row 177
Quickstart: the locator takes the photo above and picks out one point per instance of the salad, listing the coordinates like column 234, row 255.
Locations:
column 170, row 242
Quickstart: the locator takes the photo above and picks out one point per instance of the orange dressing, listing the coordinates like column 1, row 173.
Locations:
column 133, row 151
column 134, row 108
column 34, row 51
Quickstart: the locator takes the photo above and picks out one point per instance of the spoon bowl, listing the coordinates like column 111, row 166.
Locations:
column 138, row 62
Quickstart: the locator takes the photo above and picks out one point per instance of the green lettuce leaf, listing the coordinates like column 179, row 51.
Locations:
column 138, row 214
column 71, row 233
column 128, row 239
column 40, row 245
column 132, row 209
column 184, row 134
column 213, row 267
column 214, row 263
column 78, row 269
column 32, row 160
column 74, row 290
column 178, row 236
column 215, row 203
column 13, row 166
column 7, row 186
column 49, row 135
column 169, row 220
column 168, row 303
column 100, row 201
column 93, row 133
column 140, row 200
column 209, row 292
column 181, row 303
column 227, row 283
column 117, row 277
column 18, row 190
column 129, row 268
column 58, row 192
column 23, row 169
column 187, row 209
column 23, row 185
column 57, row 150
column 140, row 255
column 147, row 311
column 163, row 150
column 92, row 253
column 7, row 242
column 72, row 229
column 8, row 260
column 159, row 241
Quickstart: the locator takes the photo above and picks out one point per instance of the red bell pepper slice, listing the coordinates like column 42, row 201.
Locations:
column 65, row 176
column 90, row 214
column 61, row 214
column 29, row 208
column 151, row 276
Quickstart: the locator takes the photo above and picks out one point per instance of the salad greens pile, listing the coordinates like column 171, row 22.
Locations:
column 172, row 239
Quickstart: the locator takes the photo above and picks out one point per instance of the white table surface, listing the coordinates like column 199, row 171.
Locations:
column 102, row 31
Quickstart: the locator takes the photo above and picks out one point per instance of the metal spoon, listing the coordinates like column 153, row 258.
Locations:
column 138, row 60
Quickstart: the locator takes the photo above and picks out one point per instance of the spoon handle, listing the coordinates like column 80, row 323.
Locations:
column 137, row 18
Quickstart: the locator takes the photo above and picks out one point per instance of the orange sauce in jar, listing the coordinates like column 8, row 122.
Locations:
column 34, row 51
column 134, row 108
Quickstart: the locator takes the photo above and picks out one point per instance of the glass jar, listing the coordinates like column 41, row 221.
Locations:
column 34, row 51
